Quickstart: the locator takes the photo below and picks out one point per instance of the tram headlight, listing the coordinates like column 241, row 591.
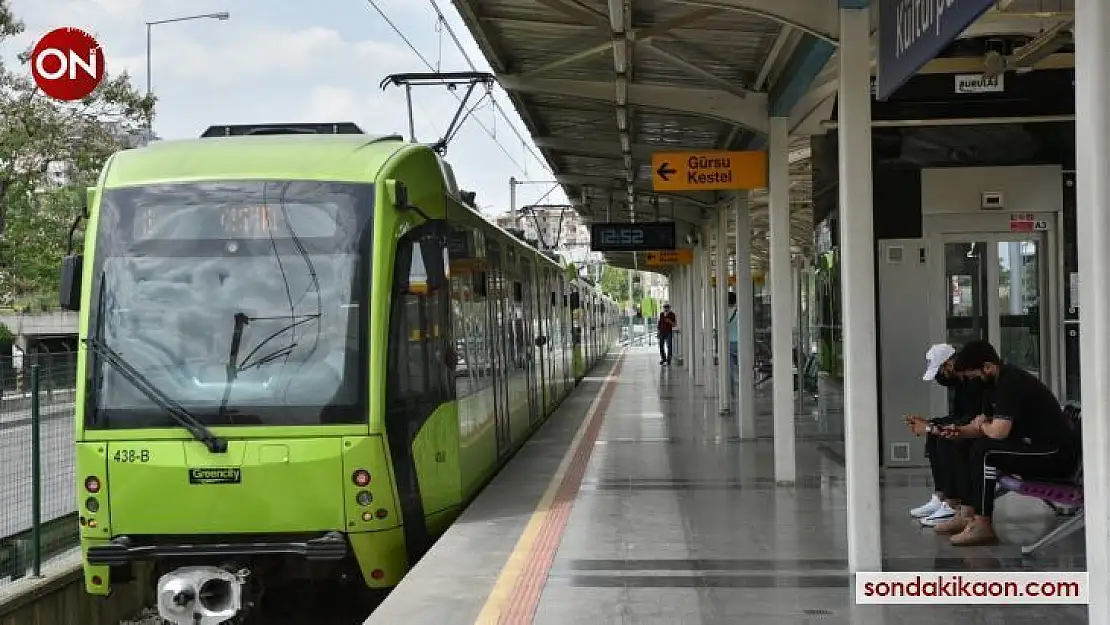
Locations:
column 364, row 498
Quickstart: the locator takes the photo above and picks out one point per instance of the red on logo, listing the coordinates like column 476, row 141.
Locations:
column 67, row 64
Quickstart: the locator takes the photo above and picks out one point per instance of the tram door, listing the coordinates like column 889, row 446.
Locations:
column 564, row 323
column 996, row 289
column 554, row 341
column 531, row 357
column 499, row 321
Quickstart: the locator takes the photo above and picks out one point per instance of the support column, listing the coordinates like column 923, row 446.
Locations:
column 672, row 290
column 691, row 325
column 1092, row 152
column 800, row 350
column 745, row 318
column 782, row 328
column 706, row 307
column 697, row 353
column 705, row 317
column 857, row 245
column 724, row 359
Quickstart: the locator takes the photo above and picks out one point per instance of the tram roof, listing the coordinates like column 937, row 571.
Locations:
column 336, row 157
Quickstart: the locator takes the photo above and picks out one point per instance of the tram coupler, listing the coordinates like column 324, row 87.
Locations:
column 201, row 595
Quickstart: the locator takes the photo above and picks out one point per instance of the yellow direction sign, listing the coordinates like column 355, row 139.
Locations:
column 663, row 258
column 708, row 170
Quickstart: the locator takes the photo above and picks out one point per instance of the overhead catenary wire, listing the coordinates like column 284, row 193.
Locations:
column 432, row 68
column 473, row 67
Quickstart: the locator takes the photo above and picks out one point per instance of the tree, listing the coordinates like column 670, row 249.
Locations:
column 38, row 134
column 614, row 283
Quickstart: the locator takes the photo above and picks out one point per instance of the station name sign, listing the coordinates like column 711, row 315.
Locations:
column 913, row 32
column 708, row 170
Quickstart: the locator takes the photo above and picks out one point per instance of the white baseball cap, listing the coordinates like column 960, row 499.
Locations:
column 935, row 358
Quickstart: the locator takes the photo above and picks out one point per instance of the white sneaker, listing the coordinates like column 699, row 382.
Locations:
column 928, row 509
column 944, row 513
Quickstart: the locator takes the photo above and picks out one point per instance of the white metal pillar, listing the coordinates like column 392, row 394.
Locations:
column 691, row 325
column 705, row 312
column 1092, row 152
column 857, row 244
column 782, row 328
column 696, row 355
column 674, row 286
column 724, row 360
column 707, row 308
column 745, row 336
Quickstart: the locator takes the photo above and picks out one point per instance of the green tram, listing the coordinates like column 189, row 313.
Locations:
column 304, row 351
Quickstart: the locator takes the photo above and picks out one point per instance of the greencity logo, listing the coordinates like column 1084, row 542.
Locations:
column 215, row 475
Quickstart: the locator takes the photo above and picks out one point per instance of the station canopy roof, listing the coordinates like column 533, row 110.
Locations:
column 604, row 84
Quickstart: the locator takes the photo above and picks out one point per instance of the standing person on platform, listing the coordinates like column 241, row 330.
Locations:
column 667, row 323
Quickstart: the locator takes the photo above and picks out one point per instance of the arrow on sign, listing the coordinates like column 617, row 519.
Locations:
column 665, row 171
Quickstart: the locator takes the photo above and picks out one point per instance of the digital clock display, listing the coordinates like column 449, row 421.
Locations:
column 628, row 237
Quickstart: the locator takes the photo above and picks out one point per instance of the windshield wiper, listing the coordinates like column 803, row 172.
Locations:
column 202, row 433
column 241, row 321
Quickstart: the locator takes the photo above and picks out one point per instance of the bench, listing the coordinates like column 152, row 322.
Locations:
column 1056, row 495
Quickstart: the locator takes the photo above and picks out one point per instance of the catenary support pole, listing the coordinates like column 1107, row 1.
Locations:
column 781, row 272
column 724, row 359
column 1092, row 151
column 745, row 335
column 861, row 393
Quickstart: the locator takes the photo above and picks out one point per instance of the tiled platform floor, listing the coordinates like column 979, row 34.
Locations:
column 677, row 521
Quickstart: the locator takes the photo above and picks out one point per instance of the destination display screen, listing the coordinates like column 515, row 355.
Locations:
column 230, row 220
column 630, row 237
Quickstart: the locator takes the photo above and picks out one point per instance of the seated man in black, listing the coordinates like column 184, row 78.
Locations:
column 1027, row 435
column 966, row 401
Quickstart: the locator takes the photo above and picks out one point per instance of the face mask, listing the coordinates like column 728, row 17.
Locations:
column 944, row 380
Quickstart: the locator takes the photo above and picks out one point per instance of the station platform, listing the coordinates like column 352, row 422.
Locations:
column 638, row 503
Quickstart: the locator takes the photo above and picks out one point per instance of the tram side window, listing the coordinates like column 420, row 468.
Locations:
column 519, row 334
column 420, row 366
column 472, row 373
column 477, row 322
column 460, row 302
column 508, row 322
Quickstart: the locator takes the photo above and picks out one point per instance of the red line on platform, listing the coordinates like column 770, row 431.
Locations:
column 525, row 597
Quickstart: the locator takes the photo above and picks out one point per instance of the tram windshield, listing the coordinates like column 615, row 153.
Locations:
column 241, row 301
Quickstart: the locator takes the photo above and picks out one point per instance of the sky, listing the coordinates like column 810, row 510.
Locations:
column 292, row 61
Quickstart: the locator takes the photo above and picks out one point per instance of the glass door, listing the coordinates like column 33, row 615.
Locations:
column 1020, row 286
column 966, row 315
column 995, row 284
